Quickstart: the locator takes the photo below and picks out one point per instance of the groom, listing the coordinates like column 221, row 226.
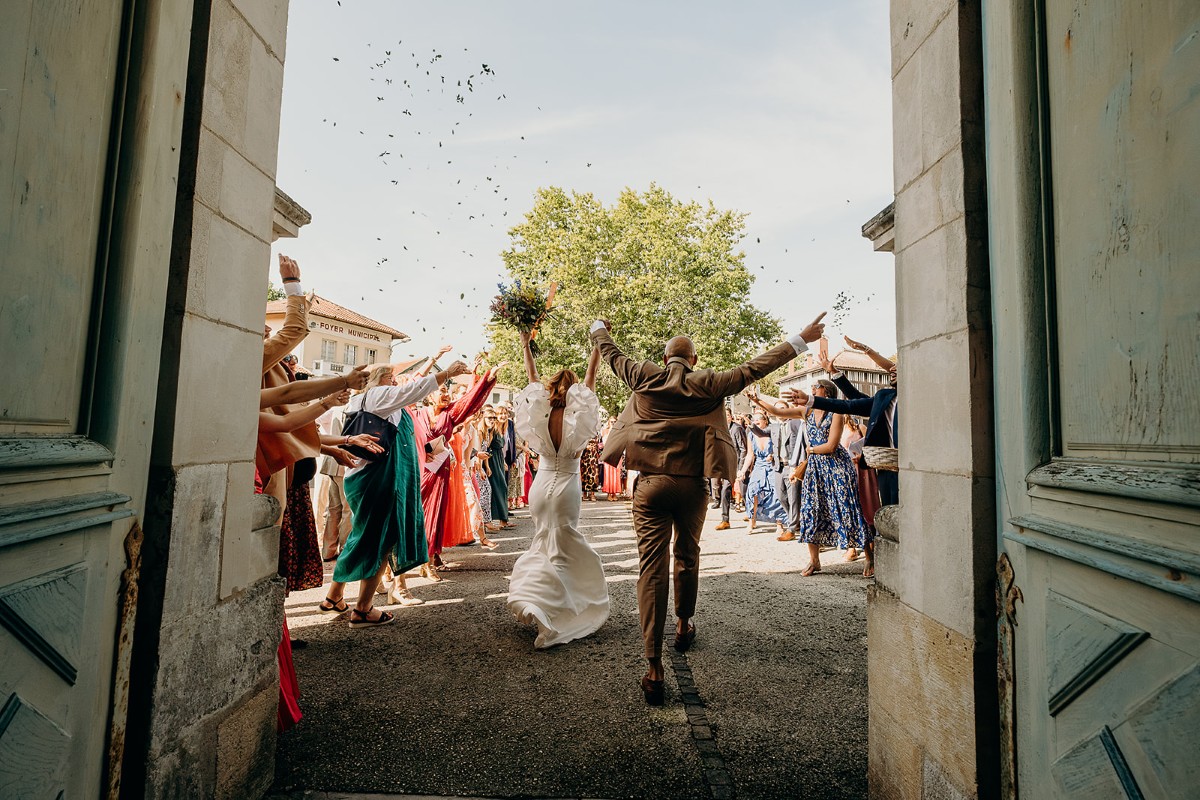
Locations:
column 673, row 432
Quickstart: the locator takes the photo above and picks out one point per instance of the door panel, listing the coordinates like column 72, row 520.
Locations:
column 1124, row 126
column 63, row 495
column 1100, row 470
column 54, row 125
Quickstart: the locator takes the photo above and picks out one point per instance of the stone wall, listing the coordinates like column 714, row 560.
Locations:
column 205, row 683
column 930, row 616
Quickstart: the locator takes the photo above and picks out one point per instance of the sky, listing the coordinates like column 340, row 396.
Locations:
column 781, row 110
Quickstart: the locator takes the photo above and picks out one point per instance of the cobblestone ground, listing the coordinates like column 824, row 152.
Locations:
column 452, row 700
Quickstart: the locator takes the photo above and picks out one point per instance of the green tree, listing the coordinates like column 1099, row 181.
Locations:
column 653, row 266
column 274, row 292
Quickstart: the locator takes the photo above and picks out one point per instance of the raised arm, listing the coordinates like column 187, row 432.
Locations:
column 882, row 361
column 625, row 368
column 777, row 409
column 303, row 391
column 282, row 423
column 735, row 380
column 295, row 320
column 466, row 406
column 530, row 367
column 589, row 379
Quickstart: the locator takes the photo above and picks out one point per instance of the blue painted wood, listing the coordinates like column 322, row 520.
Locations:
column 33, row 751
column 33, row 452
column 1081, row 645
column 1120, row 765
column 1167, row 728
column 1178, row 485
column 29, row 533
column 45, row 613
column 58, row 506
column 1169, row 557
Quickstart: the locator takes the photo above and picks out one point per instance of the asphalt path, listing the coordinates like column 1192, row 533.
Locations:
column 452, row 699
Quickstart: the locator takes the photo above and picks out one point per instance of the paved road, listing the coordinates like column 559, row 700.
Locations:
column 452, row 699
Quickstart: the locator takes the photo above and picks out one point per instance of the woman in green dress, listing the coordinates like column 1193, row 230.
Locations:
column 499, row 477
column 384, row 495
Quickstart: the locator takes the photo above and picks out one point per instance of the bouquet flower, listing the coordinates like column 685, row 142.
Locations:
column 523, row 306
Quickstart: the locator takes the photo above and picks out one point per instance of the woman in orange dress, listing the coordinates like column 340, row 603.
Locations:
column 458, row 523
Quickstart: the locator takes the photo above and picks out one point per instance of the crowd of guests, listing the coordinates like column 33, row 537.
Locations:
column 379, row 470
column 802, row 468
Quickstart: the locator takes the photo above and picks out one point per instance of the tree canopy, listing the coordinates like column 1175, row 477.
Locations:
column 654, row 266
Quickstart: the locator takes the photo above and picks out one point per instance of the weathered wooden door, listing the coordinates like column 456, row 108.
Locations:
column 86, row 199
column 1096, row 265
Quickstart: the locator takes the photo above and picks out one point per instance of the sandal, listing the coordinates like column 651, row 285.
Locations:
column 327, row 606
column 869, row 571
column 811, row 569
column 362, row 619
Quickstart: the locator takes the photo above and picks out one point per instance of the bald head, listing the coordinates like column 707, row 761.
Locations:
column 680, row 347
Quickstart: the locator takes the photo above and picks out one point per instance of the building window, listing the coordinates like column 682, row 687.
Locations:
column 370, row 356
column 328, row 350
column 351, row 354
column 495, row 398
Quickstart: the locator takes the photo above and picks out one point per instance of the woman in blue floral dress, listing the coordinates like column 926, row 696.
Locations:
column 761, row 503
column 830, row 514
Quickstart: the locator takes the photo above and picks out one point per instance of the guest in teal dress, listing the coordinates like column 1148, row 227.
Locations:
column 384, row 495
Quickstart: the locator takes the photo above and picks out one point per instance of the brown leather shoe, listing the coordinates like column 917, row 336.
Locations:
column 683, row 641
column 653, row 691
column 722, row 526
column 786, row 536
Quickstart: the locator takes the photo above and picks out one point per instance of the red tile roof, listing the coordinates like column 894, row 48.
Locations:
column 325, row 307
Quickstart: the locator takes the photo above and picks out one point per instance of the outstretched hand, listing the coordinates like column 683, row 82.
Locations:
column 815, row 329
column 343, row 457
column 357, row 378
column 457, row 368
column 796, row 397
column 366, row 441
column 859, row 346
column 339, row 398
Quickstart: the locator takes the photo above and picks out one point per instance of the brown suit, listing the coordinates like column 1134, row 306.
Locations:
column 674, row 433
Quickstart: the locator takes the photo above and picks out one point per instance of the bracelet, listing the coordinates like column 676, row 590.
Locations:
column 291, row 280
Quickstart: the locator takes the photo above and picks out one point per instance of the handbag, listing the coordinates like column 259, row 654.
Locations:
column 363, row 421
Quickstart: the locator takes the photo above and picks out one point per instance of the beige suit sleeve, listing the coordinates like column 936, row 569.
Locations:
column 734, row 380
column 295, row 328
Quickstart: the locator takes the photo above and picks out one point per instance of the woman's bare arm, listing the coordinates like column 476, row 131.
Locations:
column 530, row 367
column 293, row 420
column 589, row 378
column 303, row 391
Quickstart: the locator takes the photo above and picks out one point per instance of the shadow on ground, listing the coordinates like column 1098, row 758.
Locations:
column 452, row 699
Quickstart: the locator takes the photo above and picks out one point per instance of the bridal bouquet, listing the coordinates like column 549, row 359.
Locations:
column 523, row 306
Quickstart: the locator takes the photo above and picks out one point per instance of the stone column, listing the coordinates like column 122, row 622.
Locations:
column 205, row 684
column 931, row 652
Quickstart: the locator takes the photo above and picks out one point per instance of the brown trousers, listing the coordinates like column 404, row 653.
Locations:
column 662, row 503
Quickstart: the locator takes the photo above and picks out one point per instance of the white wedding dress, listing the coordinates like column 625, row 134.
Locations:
column 558, row 583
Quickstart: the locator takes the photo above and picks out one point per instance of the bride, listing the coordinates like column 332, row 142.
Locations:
column 559, row 582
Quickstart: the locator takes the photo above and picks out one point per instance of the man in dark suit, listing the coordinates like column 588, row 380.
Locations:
column 738, row 434
column 673, row 431
column 882, row 411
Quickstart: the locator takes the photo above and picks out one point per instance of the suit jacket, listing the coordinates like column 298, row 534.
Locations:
column 781, row 439
column 860, row 405
column 278, row 451
column 674, row 424
column 738, row 434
